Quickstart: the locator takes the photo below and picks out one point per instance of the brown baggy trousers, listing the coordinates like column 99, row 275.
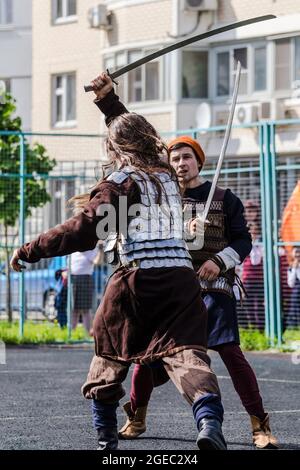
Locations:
column 188, row 369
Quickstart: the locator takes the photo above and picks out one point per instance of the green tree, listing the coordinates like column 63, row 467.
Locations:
column 37, row 162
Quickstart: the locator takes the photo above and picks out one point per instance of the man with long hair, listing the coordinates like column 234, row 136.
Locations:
column 152, row 311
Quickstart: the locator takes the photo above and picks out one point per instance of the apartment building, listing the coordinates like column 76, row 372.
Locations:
column 16, row 54
column 75, row 39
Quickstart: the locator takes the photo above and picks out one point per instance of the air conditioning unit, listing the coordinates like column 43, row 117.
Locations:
column 245, row 114
column 221, row 117
column 99, row 17
column 200, row 5
column 286, row 109
column 279, row 109
column 264, row 110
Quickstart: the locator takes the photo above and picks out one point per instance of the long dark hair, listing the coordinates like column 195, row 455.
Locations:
column 133, row 141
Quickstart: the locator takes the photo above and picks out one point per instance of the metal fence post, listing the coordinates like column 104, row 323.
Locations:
column 262, row 147
column 277, row 278
column 69, row 300
column 22, row 305
column 268, row 188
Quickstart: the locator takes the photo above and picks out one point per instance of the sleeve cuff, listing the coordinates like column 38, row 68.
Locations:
column 229, row 257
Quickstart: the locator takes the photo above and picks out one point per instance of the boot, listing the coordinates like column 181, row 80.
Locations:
column 210, row 435
column 107, row 438
column 135, row 424
column 261, row 432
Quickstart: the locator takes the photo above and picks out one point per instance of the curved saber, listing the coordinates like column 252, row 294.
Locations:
column 183, row 43
column 203, row 216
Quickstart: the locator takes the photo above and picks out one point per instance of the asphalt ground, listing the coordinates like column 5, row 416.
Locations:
column 41, row 406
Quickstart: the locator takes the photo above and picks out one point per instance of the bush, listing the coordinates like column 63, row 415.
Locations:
column 253, row 340
column 39, row 333
column 291, row 335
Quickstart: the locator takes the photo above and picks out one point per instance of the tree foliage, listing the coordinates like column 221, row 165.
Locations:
column 37, row 163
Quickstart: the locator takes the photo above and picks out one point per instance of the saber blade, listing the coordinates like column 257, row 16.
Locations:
column 225, row 143
column 183, row 43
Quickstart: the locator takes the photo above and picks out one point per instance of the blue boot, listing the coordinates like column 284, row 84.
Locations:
column 210, row 435
column 107, row 438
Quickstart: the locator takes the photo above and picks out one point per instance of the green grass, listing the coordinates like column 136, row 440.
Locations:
column 51, row 333
column 291, row 335
column 39, row 333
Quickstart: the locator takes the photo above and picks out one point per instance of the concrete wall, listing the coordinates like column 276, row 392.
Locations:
column 16, row 55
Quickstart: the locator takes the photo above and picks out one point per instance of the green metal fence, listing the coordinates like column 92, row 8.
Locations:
column 266, row 177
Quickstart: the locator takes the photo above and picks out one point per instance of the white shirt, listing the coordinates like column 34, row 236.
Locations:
column 292, row 275
column 256, row 254
column 82, row 262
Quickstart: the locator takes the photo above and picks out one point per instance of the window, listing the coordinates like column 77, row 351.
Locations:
column 260, row 69
column 113, row 63
column 152, row 81
column 64, row 10
column 5, row 85
column 120, row 62
column 5, row 12
column 226, row 71
column 64, row 99
column 297, row 58
column 223, row 76
column 241, row 55
column 226, row 67
column 135, row 79
column 282, row 64
column 194, row 74
column 140, row 84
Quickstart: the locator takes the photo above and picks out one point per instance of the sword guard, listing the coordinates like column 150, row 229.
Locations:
column 113, row 80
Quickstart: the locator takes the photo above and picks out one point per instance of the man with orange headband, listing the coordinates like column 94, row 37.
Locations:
column 227, row 242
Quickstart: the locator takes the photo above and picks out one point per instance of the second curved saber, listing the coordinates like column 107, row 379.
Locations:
column 204, row 214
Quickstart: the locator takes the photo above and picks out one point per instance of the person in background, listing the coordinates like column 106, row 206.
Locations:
column 82, row 268
column 293, row 279
column 253, row 280
column 60, row 303
column 252, row 212
column 285, row 289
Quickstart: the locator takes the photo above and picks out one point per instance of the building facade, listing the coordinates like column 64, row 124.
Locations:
column 16, row 54
column 73, row 40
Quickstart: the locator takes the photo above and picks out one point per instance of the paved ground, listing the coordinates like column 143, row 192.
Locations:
column 41, row 406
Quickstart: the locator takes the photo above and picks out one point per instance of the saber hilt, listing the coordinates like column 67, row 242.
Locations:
column 88, row 88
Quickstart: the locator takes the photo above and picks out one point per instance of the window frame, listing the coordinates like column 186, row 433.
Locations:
column 194, row 49
column 293, row 60
column 3, row 11
column 112, row 57
column 230, row 49
column 258, row 45
column 251, row 92
column 65, row 18
column 284, row 93
column 62, row 91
